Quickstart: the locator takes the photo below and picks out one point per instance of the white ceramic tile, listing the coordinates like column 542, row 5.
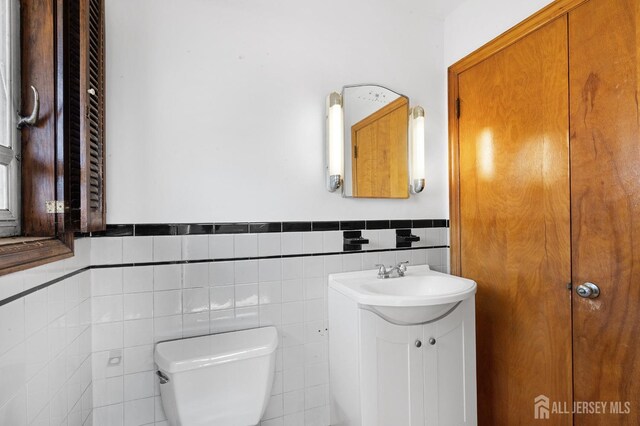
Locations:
column 292, row 290
column 274, row 407
column 138, row 359
column 352, row 262
column 292, row 313
column 107, row 308
column 270, row 292
column 106, row 250
column 72, row 292
column 294, row 402
column 57, row 336
column 195, row 324
column 11, row 284
column 312, row 242
column 195, row 300
column 12, row 365
column 106, row 281
column 107, row 336
column 432, row 237
column 293, row 357
column 388, row 258
column 138, row 305
column 221, row 321
column 221, row 273
column 195, row 275
column 332, row 264
column 419, row 257
column 37, row 352
column 137, row 249
column 270, row 269
column 138, row 385
column 316, row 374
column 246, row 271
column 370, row 260
column 167, row 303
column 315, row 352
column 138, row 332
column 434, row 257
column 278, row 421
column 12, row 324
column 317, row 416
column 246, row 295
column 221, row 297
column 269, row 244
column 165, row 328
column 137, row 279
column 100, row 367
column 270, row 315
column 291, row 268
column 313, row 266
column 55, row 301
column 108, row 391
column 292, row 334
column 245, row 245
column 167, row 277
column 139, row 412
column 277, row 383
column 315, row 331
column 291, row 242
column 314, row 310
column 314, row 288
column 387, row 238
column 111, row 415
column 332, row 241
column 167, row 248
column 195, row 247
column 221, row 246
column 293, row 379
column 295, row 419
column 37, row 395
column 159, row 411
column 14, row 412
column 403, row 256
column 247, row 317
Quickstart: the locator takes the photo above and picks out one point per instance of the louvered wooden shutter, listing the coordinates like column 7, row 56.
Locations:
column 84, row 116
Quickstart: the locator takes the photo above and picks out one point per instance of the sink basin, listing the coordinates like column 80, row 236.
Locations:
column 421, row 296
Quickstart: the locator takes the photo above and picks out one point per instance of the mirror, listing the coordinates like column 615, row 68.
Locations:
column 376, row 122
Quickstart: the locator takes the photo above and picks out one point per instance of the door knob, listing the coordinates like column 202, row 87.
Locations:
column 588, row 290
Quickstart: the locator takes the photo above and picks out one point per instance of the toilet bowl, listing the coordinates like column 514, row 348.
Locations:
column 217, row 380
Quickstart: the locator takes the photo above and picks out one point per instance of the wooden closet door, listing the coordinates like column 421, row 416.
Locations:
column 514, row 224
column 605, row 194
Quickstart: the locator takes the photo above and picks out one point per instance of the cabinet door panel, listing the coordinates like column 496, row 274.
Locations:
column 605, row 203
column 514, row 223
column 391, row 377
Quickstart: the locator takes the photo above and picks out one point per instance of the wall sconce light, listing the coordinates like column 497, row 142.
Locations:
column 416, row 146
column 335, row 141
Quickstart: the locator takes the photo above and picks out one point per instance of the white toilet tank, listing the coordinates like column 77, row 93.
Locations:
column 222, row 379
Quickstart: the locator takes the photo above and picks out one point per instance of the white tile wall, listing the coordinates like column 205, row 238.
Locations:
column 55, row 344
column 45, row 344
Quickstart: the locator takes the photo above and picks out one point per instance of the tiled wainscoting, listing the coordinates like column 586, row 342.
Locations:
column 45, row 345
column 142, row 289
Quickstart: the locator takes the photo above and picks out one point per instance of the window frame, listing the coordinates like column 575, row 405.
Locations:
column 9, row 157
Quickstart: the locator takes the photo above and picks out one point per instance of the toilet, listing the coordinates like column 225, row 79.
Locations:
column 217, row 380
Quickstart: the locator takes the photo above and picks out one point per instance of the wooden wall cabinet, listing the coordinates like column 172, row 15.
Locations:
column 545, row 196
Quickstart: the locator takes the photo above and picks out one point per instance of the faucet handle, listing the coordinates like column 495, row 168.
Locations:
column 402, row 267
column 382, row 270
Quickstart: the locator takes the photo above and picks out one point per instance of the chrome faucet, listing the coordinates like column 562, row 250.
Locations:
column 399, row 270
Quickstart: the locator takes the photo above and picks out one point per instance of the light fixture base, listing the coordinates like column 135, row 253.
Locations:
column 418, row 185
column 335, row 182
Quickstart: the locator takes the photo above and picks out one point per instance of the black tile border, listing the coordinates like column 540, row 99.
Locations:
column 186, row 262
column 160, row 229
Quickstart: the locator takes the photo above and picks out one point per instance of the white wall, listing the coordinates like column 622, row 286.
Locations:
column 216, row 108
column 475, row 22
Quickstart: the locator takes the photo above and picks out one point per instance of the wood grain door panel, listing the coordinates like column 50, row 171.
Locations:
column 605, row 194
column 379, row 153
column 514, row 223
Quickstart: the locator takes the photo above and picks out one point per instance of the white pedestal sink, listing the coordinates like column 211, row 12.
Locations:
column 402, row 350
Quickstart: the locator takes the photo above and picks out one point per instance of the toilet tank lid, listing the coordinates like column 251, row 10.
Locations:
column 204, row 351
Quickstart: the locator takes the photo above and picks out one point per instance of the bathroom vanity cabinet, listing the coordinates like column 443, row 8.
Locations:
column 394, row 375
